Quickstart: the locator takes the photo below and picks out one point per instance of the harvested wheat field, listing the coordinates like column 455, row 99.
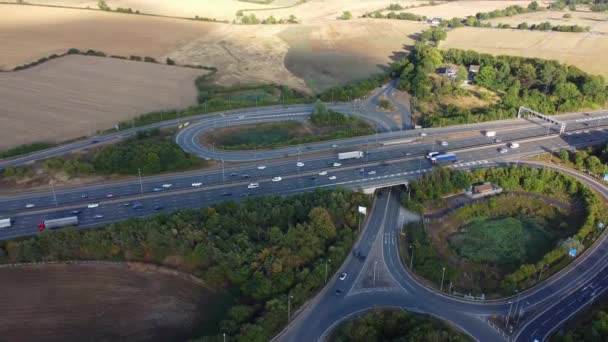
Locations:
column 66, row 97
column 28, row 33
column 465, row 8
column 597, row 21
column 103, row 302
column 579, row 49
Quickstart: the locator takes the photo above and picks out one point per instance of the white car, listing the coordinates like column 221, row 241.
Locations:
column 343, row 276
column 253, row 185
column 503, row 150
column 277, row 179
column 432, row 154
column 332, row 177
column 157, row 189
column 323, row 173
column 197, row 184
column 29, row 205
column 513, row 145
column 261, row 167
column 109, row 196
column 444, row 143
column 93, row 205
column 300, row 164
column 167, row 185
column 371, row 173
column 334, row 146
column 98, row 216
column 337, row 164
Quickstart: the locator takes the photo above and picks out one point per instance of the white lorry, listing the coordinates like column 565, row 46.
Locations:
column 5, row 223
column 58, row 223
column 350, row 155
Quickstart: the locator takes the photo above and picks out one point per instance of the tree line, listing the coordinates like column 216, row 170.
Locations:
column 259, row 251
column 430, row 188
column 393, row 325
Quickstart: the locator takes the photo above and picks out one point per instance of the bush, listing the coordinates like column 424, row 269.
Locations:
column 346, row 15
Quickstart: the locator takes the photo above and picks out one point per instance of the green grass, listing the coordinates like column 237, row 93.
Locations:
column 25, row 149
column 288, row 133
column 503, row 242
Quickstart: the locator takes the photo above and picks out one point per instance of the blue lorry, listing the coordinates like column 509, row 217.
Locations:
column 444, row 158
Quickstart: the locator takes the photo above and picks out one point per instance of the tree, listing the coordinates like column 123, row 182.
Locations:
column 170, row 61
column 564, row 155
column 533, row 6
column 346, row 15
column 103, row 5
column 486, row 77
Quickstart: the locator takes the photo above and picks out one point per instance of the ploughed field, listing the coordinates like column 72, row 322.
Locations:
column 98, row 302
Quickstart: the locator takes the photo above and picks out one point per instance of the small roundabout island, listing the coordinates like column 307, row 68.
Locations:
column 492, row 233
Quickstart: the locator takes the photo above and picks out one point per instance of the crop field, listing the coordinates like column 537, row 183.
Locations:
column 69, row 97
column 579, row 49
column 100, row 302
column 464, row 8
column 28, row 33
column 597, row 21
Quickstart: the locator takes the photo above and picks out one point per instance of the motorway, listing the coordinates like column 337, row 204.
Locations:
column 381, row 280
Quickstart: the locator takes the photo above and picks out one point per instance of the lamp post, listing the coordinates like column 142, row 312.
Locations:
column 141, row 185
column 289, row 307
column 442, row 277
column 54, row 194
column 326, row 261
column 412, row 257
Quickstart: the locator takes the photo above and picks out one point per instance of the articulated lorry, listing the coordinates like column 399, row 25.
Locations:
column 350, row 155
column 444, row 158
column 58, row 223
column 5, row 223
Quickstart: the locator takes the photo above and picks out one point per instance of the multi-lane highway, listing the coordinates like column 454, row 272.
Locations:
column 392, row 157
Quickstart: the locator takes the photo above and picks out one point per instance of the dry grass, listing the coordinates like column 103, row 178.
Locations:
column 475, row 100
column 583, row 50
column 63, row 98
column 464, row 8
column 598, row 21
column 101, row 302
column 28, row 33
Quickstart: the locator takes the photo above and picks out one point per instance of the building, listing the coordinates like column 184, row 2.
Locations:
column 450, row 71
column 473, row 71
column 434, row 21
column 482, row 190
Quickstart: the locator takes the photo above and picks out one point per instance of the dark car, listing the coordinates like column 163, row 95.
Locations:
column 158, row 207
column 226, row 194
column 338, row 292
column 138, row 206
column 126, row 204
column 234, row 174
column 313, row 178
column 75, row 212
column 244, row 176
column 84, row 196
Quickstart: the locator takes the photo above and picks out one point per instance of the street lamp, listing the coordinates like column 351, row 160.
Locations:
column 326, row 261
column 141, row 185
column 54, row 194
column 412, row 257
column 442, row 277
column 289, row 307
column 224, row 335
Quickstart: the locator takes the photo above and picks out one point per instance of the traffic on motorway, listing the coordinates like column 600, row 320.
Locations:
column 351, row 163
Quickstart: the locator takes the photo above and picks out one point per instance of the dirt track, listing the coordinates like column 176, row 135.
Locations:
column 96, row 303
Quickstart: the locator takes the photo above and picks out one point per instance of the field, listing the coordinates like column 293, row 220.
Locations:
column 579, row 49
column 67, row 97
column 100, row 302
column 464, row 8
column 597, row 21
column 28, row 33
